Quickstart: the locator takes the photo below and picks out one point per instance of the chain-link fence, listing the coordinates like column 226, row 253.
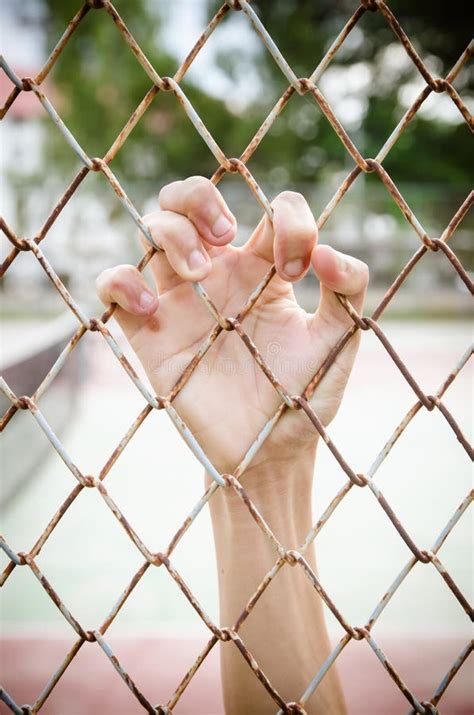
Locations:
column 283, row 558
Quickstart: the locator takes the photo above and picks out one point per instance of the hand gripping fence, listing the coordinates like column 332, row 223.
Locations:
column 283, row 557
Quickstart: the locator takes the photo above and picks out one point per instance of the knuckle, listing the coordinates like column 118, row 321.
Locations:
column 198, row 191
column 293, row 197
column 99, row 282
column 363, row 270
column 149, row 219
column 358, row 272
column 105, row 276
column 112, row 281
column 165, row 191
column 197, row 182
column 115, row 284
column 128, row 272
column 120, row 275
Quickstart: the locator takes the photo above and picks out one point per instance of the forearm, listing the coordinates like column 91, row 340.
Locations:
column 286, row 631
column 195, row 228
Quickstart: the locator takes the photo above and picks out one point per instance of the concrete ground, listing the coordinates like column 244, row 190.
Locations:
column 89, row 560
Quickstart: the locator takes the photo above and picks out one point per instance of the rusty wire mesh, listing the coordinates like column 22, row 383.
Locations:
column 283, row 557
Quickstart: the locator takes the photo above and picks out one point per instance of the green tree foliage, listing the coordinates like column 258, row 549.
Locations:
column 431, row 149
column 98, row 83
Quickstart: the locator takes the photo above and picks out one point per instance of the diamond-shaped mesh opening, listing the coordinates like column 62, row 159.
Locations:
column 356, row 551
column 173, row 571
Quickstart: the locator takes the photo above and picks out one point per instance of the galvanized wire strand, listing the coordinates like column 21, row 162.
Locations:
column 306, row 87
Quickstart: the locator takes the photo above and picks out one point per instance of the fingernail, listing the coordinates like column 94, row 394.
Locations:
column 196, row 259
column 294, row 268
column 221, row 226
column 146, row 300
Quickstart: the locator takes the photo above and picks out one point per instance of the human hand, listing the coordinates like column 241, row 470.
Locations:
column 228, row 399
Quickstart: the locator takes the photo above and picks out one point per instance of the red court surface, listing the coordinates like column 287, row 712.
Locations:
column 91, row 686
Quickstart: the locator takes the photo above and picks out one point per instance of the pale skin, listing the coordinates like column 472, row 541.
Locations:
column 228, row 400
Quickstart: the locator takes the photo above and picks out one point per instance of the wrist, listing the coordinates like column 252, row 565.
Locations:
column 281, row 491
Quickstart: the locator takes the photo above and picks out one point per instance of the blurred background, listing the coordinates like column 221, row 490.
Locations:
column 95, row 85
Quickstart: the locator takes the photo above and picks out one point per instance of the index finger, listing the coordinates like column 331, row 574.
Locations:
column 200, row 201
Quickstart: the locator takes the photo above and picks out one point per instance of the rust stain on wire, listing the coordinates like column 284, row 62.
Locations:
column 229, row 635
